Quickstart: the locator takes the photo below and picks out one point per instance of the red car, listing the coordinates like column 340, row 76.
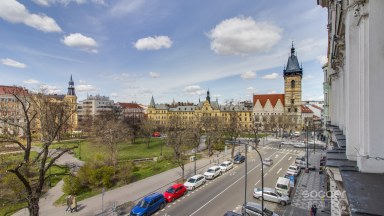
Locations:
column 156, row 134
column 174, row 192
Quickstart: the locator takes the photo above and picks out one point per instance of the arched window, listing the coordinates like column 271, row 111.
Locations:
column 293, row 84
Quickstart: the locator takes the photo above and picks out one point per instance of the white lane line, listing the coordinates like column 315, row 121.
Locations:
column 271, row 169
column 279, row 170
column 223, row 191
column 276, row 156
column 290, row 158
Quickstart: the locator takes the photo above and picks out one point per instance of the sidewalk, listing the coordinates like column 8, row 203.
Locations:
column 311, row 189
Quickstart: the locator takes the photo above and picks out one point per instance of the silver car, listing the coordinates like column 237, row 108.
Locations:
column 271, row 195
column 226, row 165
column 254, row 209
column 267, row 161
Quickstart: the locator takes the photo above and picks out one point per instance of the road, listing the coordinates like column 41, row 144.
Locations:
column 227, row 191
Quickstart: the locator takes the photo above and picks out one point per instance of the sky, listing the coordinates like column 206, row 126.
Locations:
column 131, row 50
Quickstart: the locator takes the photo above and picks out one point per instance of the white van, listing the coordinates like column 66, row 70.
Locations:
column 283, row 186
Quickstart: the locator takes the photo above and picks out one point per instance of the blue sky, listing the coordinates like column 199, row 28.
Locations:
column 130, row 50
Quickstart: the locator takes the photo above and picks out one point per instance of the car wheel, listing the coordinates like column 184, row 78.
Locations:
column 220, row 174
column 260, row 198
column 185, row 192
column 193, row 188
column 163, row 204
column 173, row 200
column 283, row 203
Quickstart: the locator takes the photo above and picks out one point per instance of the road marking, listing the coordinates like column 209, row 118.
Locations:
column 290, row 158
column 162, row 209
column 279, row 170
column 276, row 156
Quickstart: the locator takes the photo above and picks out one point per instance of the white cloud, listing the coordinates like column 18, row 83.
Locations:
column 83, row 42
column 241, row 36
column 14, row 12
column 12, row 63
column 31, row 81
column 322, row 59
column 194, row 90
column 271, row 76
column 66, row 2
column 307, row 77
column 248, row 75
column 154, row 74
column 124, row 7
column 82, row 81
column 153, row 43
column 314, row 98
column 272, row 92
column 85, row 88
column 251, row 89
column 50, row 89
column 114, row 94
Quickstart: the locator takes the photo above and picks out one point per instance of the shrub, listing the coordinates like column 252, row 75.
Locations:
column 71, row 185
column 126, row 172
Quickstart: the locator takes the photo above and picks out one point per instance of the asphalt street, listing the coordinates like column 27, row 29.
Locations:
column 227, row 191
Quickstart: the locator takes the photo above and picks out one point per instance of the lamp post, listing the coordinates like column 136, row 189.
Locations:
column 314, row 137
column 262, row 178
column 307, row 124
column 79, row 149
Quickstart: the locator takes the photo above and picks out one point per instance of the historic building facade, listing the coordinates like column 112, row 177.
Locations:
column 353, row 105
column 162, row 113
column 282, row 111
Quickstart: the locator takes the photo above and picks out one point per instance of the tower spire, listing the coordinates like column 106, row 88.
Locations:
column 71, row 87
column 208, row 97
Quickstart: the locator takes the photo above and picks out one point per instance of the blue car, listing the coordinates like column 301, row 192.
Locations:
column 149, row 205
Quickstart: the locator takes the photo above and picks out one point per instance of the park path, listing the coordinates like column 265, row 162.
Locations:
column 130, row 192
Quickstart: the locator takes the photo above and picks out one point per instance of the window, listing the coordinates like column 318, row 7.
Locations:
column 293, row 84
column 292, row 101
column 296, row 110
column 289, row 109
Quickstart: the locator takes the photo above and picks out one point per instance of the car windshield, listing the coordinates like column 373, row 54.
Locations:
column 192, row 180
column 211, row 170
column 223, row 164
column 291, row 168
column 143, row 204
column 171, row 190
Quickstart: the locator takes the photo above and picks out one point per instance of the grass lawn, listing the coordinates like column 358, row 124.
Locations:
column 139, row 149
column 10, row 208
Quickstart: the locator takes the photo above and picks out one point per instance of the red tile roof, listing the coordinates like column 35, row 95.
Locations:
column 317, row 107
column 305, row 109
column 130, row 105
column 273, row 98
column 11, row 89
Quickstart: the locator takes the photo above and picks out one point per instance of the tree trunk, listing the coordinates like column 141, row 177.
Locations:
column 33, row 206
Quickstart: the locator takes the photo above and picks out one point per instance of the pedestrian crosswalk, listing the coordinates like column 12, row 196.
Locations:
column 290, row 150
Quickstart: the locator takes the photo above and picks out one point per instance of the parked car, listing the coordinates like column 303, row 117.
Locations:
column 298, row 159
column 287, row 142
column 156, row 134
column 296, row 133
column 148, row 205
column 268, row 161
column 239, row 159
column 231, row 213
column 271, row 195
column 303, row 165
column 299, row 145
column 174, row 192
column 293, row 170
column 194, row 182
column 226, row 165
column 212, row 172
column 254, row 209
column 283, row 186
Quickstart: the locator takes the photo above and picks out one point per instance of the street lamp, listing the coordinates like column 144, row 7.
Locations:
column 307, row 124
column 79, row 144
column 262, row 177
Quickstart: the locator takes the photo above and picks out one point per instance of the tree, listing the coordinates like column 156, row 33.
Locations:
column 110, row 131
column 177, row 139
column 34, row 112
column 212, row 126
column 233, row 129
column 147, row 128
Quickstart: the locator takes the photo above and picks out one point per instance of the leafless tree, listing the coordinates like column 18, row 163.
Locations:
column 148, row 126
column 178, row 138
column 110, row 131
column 233, row 129
column 46, row 116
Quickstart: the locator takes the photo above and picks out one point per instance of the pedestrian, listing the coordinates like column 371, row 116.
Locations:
column 313, row 210
column 69, row 200
column 74, row 204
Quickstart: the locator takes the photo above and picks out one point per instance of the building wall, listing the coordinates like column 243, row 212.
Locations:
column 295, row 94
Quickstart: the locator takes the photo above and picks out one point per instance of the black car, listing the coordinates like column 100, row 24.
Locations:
column 239, row 159
column 231, row 213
